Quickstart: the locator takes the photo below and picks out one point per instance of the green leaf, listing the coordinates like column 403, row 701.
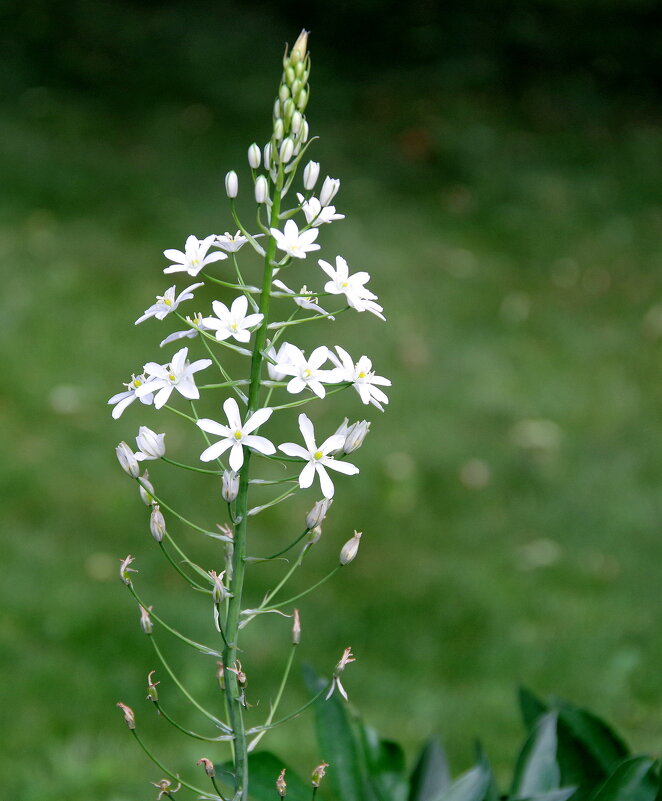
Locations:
column 562, row 794
column 337, row 743
column 607, row 748
column 263, row 770
column 634, row 779
column 537, row 770
column 492, row 792
column 431, row 774
column 385, row 765
column 531, row 707
column 471, row 786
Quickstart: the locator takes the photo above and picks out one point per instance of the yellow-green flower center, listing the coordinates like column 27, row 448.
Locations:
column 318, row 455
column 237, row 434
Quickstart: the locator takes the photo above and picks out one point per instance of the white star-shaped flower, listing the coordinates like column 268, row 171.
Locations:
column 195, row 256
column 232, row 322
column 317, row 458
column 306, row 372
column 124, row 399
column 295, row 244
column 316, row 214
column 176, row 375
column 361, row 376
column 352, row 286
column 236, row 436
column 231, row 244
column 196, row 324
column 167, row 302
column 304, row 298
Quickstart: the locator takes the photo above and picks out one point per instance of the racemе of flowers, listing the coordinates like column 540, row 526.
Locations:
column 248, row 373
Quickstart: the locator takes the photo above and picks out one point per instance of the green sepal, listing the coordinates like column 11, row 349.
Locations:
column 431, row 774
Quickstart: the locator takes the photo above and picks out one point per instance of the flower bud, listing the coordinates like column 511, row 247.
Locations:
column 279, row 130
column 129, row 716
column 254, row 156
column 300, row 48
column 302, row 100
column 318, row 513
column 341, row 431
column 318, row 774
column 145, row 620
column 311, row 174
column 288, row 109
column 277, row 113
column 261, row 189
column 146, row 489
column 297, row 86
column 304, row 131
column 300, row 71
column 231, row 184
column 315, row 535
column 208, row 766
column 297, row 120
column 350, row 548
column 329, row 190
column 230, row 486
column 267, row 156
column 127, row 460
column 290, row 75
column 157, row 523
column 296, row 628
column 355, row 436
column 283, row 93
column 150, row 444
column 286, row 150
column 281, row 784
column 152, row 692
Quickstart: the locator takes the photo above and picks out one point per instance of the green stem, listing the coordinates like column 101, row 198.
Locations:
column 190, row 467
column 276, row 703
column 291, row 545
column 301, row 709
column 305, row 592
column 233, row 691
column 221, row 738
column 193, row 583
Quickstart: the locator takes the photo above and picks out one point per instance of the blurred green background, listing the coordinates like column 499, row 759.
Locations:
column 500, row 167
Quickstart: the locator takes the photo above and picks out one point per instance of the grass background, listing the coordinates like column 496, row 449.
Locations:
column 509, row 497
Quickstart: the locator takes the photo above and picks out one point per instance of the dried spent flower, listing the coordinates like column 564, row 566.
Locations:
column 281, row 784
column 350, row 548
column 296, row 628
column 145, row 620
column 208, row 766
column 336, row 684
column 125, row 570
column 152, row 692
column 166, row 788
column 318, row 774
column 129, row 716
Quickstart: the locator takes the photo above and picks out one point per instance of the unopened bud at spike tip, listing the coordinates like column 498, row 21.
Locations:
column 127, row 460
column 230, row 486
column 231, row 185
column 350, row 548
column 261, row 189
column 296, row 628
column 254, row 156
column 157, row 524
column 310, row 175
column 300, row 48
column 208, row 766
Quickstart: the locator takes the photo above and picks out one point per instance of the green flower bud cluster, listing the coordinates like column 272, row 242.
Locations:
column 290, row 126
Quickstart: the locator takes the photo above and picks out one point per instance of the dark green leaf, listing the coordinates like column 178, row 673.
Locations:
column 385, row 765
column 537, row 770
column 531, row 707
column 337, row 743
column 634, row 779
column 492, row 792
column 431, row 774
column 263, row 769
column 471, row 786
column 600, row 740
column 562, row 794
